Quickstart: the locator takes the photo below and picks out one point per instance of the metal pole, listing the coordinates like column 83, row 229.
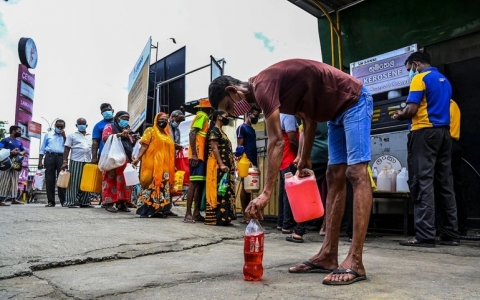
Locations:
column 183, row 75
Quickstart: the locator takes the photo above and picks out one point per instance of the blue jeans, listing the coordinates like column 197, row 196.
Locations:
column 349, row 133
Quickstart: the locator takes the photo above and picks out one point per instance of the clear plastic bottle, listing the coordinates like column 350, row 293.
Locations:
column 253, row 251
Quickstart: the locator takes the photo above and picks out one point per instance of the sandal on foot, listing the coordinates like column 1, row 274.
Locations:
column 279, row 228
column 357, row 277
column 293, row 239
column 312, row 268
column 188, row 219
column 111, row 209
column 287, row 231
column 414, row 243
column 199, row 218
column 14, row 201
column 123, row 209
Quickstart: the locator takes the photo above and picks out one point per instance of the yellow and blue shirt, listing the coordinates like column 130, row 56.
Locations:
column 454, row 120
column 432, row 91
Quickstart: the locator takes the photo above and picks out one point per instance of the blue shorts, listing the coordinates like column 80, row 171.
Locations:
column 198, row 173
column 349, row 133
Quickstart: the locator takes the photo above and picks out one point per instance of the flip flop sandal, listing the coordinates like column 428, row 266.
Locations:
column 189, row 220
column 312, row 268
column 291, row 238
column 287, row 231
column 199, row 219
column 123, row 209
column 357, row 277
column 111, row 209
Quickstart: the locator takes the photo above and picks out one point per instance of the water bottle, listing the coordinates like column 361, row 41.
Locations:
column 253, row 251
column 223, row 185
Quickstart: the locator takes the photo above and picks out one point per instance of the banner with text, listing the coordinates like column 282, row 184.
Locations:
column 138, row 88
column 384, row 72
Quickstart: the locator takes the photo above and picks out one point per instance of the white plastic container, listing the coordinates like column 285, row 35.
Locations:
column 393, row 175
column 130, row 175
column 384, row 181
column 402, row 177
column 375, row 174
column 251, row 183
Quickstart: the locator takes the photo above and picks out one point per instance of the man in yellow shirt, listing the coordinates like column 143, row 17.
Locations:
column 197, row 159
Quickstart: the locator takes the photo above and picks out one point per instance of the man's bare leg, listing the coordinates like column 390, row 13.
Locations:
column 327, row 257
column 362, row 206
column 192, row 190
column 197, row 199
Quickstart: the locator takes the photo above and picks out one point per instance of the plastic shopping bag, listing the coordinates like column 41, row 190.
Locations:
column 181, row 163
column 113, row 155
column 38, row 180
column 136, row 150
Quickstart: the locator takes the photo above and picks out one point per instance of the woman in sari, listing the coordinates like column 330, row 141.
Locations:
column 116, row 195
column 157, row 174
column 220, row 209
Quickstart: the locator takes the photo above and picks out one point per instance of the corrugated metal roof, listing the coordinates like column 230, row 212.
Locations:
column 330, row 5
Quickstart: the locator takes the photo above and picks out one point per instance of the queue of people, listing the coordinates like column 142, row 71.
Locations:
column 328, row 95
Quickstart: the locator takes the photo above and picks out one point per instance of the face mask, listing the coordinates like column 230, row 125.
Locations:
column 58, row 130
column 162, row 124
column 123, row 123
column 107, row 115
column 225, row 121
column 18, row 134
column 254, row 120
column 240, row 108
column 412, row 73
column 174, row 124
column 82, row 127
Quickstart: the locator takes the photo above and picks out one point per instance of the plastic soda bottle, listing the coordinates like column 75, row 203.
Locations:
column 253, row 251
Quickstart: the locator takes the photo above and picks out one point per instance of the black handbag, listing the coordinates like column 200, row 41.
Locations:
column 17, row 161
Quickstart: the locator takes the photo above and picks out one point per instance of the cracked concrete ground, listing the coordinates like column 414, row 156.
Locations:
column 61, row 253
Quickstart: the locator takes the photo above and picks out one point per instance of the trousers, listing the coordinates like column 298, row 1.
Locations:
column 431, row 183
column 53, row 164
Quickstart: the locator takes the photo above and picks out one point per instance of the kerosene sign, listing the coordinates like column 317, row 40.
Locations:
column 27, row 52
column 384, row 72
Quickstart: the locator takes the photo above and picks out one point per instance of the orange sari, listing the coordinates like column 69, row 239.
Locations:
column 157, row 173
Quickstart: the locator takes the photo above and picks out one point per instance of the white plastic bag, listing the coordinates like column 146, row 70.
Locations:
column 136, row 150
column 113, row 155
column 38, row 180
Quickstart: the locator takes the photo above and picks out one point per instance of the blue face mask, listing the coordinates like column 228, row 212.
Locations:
column 174, row 124
column 412, row 74
column 107, row 115
column 58, row 131
column 82, row 127
column 123, row 123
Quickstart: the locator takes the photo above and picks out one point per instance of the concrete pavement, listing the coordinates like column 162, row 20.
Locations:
column 62, row 253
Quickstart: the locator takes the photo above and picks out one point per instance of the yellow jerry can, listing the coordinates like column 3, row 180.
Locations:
column 91, row 179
